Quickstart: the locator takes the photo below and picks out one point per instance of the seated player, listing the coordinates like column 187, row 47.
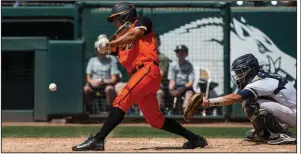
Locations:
column 267, row 99
column 181, row 75
column 102, row 73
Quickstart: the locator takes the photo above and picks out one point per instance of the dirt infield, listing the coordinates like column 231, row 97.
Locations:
column 220, row 124
column 138, row 145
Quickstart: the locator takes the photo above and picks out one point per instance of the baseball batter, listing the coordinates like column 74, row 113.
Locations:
column 137, row 52
column 267, row 100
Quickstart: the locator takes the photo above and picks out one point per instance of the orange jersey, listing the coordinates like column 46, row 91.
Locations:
column 142, row 50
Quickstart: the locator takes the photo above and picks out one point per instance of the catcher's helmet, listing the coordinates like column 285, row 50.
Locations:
column 124, row 11
column 246, row 68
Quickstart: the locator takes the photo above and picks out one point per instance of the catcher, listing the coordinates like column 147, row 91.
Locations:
column 267, row 99
column 137, row 52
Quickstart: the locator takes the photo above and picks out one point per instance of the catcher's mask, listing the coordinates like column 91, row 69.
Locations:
column 124, row 12
column 245, row 68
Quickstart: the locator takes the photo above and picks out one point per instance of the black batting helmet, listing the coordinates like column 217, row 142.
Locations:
column 124, row 11
column 246, row 67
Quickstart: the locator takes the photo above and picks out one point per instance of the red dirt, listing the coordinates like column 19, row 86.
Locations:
column 224, row 124
column 139, row 145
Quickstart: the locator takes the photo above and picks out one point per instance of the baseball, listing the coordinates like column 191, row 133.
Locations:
column 52, row 87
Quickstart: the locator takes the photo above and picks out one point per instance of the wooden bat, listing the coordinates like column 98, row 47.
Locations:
column 121, row 30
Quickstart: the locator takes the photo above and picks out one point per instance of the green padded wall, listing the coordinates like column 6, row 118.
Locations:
column 65, row 66
column 41, row 86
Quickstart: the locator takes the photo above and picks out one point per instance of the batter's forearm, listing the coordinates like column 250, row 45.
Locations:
column 123, row 40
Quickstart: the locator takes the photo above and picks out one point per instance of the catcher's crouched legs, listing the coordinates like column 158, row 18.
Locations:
column 266, row 126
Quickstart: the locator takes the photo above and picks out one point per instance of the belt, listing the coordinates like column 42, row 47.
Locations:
column 141, row 66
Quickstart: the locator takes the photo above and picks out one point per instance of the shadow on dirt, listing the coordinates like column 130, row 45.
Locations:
column 161, row 148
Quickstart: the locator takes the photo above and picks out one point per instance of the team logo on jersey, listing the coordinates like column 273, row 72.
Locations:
column 204, row 38
column 128, row 46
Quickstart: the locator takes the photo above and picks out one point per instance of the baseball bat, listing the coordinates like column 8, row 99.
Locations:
column 121, row 30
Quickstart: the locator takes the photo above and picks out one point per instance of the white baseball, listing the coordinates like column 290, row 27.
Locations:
column 52, row 87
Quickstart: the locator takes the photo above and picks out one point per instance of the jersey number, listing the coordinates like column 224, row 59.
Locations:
column 128, row 46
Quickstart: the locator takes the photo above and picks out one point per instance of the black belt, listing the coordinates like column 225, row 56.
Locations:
column 141, row 66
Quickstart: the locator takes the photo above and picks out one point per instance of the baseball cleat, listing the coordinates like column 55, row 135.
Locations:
column 283, row 139
column 200, row 142
column 252, row 136
column 249, row 135
column 286, row 130
column 90, row 144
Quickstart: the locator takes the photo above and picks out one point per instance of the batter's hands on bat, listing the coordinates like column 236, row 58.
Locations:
column 102, row 44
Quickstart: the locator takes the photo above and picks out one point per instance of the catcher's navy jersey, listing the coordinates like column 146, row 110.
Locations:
column 272, row 89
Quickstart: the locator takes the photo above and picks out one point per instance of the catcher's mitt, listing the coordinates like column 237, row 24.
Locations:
column 193, row 105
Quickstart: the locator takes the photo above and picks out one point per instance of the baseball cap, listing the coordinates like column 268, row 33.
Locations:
column 181, row 48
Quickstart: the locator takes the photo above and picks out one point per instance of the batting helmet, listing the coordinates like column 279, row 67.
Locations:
column 246, row 68
column 124, row 12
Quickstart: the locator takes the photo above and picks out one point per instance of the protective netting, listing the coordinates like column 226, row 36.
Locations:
column 200, row 29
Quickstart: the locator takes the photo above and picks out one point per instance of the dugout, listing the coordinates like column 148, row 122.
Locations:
column 36, row 43
column 30, row 65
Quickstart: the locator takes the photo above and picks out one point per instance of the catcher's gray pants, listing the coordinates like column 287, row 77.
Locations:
column 284, row 114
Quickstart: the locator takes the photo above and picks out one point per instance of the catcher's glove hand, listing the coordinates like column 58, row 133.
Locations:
column 194, row 103
column 177, row 92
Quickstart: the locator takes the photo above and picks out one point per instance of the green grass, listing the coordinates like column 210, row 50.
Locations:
column 121, row 131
